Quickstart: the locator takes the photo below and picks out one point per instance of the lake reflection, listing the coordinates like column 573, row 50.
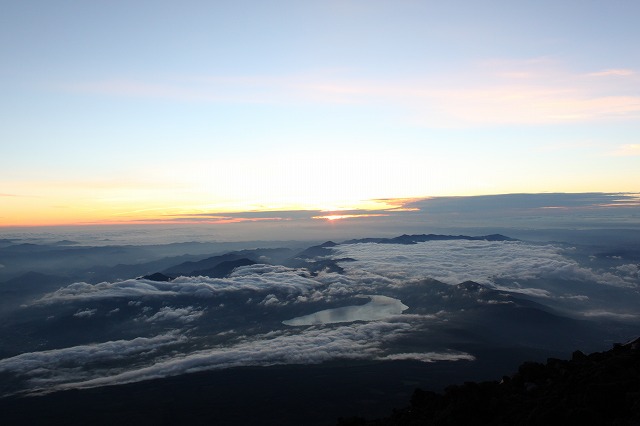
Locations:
column 378, row 308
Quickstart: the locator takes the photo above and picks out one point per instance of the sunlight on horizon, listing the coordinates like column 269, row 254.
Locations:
column 397, row 101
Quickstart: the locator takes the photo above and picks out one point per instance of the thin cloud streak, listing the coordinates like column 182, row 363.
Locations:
column 311, row 346
column 612, row 72
column 33, row 363
column 256, row 278
column 528, row 92
column 628, row 150
column 212, row 220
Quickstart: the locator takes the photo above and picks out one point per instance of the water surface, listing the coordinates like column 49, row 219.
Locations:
column 379, row 307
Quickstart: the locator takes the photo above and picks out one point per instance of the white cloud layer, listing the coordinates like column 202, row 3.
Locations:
column 86, row 313
column 184, row 315
column 64, row 369
column 58, row 365
column 252, row 278
column 457, row 261
column 600, row 313
column 431, row 356
column 377, row 269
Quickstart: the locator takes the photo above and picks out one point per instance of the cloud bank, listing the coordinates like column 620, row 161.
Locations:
column 457, row 261
column 61, row 365
column 71, row 367
column 250, row 278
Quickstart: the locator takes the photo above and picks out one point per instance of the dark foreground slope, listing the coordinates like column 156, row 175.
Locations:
column 599, row 389
column 287, row 395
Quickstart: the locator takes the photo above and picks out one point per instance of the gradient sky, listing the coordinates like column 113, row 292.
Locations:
column 115, row 111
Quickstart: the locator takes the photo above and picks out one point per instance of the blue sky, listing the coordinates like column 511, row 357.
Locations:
column 116, row 111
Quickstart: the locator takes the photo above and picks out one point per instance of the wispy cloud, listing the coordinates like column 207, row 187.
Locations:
column 628, row 150
column 204, row 219
column 185, row 315
column 258, row 278
column 61, row 365
column 607, row 314
column 493, row 92
column 63, row 369
column 432, row 356
column 85, row 313
column 613, row 73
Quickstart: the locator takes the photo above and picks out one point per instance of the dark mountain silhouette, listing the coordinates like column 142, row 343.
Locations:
column 315, row 251
column 413, row 239
column 100, row 263
column 602, row 388
column 17, row 290
column 65, row 243
column 24, row 248
column 98, row 273
column 31, row 282
column 187, row 268
column 191, row 268
column 315, row 259
column 158, row 276
column 223, row 269
column 310, row 258
column 72, row 261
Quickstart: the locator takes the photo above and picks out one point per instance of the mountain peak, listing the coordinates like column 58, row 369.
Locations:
column 328, row 244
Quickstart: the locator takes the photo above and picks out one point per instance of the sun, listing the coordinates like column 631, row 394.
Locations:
column 334, row 217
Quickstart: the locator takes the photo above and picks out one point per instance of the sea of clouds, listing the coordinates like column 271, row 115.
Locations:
column 375, row 269
column 484, row 262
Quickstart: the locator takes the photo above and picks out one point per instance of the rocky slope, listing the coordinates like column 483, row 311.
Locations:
column 600, row 389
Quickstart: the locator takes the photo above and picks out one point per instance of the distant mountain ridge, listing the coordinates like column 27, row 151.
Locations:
column 420, row 238
column 223, row 269
column 314, row 258
column 222, row 265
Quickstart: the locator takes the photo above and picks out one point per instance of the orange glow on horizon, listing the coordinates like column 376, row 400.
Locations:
column 217, row 220
column 408, row 209
column 57, row 204
column 333, row 217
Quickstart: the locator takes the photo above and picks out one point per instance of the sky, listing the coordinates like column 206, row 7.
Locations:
column 120, row 112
